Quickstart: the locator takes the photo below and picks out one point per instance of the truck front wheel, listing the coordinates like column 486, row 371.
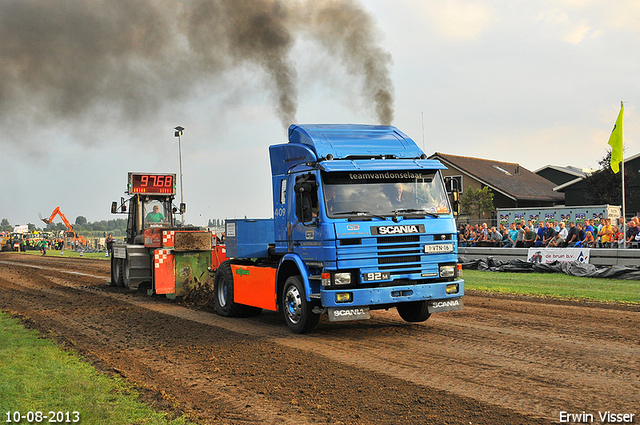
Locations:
column 126, row 271
column 114, row 274
column 414, row 311
column 298, row 313
column 117, row 272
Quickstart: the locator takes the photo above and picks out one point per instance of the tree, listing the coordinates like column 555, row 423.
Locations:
column 605, row 187
column 477, row 202
column 5, row 226
column 99, row 226
column 80, row 220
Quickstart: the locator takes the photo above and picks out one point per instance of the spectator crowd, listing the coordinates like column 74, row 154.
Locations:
column 523, row 234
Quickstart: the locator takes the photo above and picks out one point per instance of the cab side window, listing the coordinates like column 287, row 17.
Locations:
column 306, row 189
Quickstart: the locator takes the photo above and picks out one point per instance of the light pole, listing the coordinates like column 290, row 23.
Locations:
column 178, row 134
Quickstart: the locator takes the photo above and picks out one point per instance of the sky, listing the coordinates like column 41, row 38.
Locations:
column 91, row 90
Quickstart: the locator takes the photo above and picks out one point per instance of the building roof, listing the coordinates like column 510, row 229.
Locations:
column 587, row 173
column 571, row 170
column 508, row 178
column 567, row 184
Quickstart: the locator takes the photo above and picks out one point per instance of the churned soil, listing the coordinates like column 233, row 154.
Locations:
column 502, row 360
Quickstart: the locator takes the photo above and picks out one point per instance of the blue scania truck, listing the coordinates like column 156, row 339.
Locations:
column 361, row 221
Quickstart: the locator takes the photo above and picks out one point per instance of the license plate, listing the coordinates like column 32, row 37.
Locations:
column 442, row 247
column 348, row 313
column 368, row 277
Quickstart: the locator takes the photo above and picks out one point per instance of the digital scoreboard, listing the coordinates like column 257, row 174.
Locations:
column 153, row 184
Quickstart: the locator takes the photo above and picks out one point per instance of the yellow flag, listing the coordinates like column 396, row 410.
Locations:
column 615, row 141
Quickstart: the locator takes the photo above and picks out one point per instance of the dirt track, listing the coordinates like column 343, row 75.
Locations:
column 503, row 360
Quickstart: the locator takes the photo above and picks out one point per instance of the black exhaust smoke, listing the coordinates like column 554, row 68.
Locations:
column 61, row 59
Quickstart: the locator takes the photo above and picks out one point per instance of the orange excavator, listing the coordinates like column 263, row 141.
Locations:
column 69, row 235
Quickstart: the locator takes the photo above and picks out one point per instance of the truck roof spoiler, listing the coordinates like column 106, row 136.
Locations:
column 340, row 141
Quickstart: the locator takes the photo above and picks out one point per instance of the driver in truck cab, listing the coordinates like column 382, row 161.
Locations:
column 155, row 216
column 395, row 194
column 330, row 193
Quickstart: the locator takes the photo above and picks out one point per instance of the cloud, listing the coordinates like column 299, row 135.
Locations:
column 457, row 19
column 574, row 21
column 572, row 29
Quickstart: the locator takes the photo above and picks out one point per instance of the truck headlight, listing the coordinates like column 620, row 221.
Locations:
column 448, row 270
column 342, row 278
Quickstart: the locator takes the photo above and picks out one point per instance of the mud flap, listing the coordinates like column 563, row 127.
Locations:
column 164, row 271
column 348, row 313
column 439, row 306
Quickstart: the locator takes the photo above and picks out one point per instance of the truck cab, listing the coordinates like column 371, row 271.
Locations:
column 148, row 215
column 361, row 222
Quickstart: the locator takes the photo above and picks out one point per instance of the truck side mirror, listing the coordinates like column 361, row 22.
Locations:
column 303, row 207
column 455, row 202
column 306, row 191
column 183, row 208
column 114, row 207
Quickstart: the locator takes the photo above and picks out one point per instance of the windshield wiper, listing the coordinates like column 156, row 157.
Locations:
column 414, row 210
column 360, row 213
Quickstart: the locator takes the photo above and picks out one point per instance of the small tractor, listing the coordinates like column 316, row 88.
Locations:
column 164, row 257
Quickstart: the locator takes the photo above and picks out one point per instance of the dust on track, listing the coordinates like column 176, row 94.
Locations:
column 502, row 360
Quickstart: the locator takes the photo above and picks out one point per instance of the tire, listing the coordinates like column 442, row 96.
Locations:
column 223, row 295
column 114, row 274
column 126, row 268
column 118, row 271
column 415, row 311
column 298, row 313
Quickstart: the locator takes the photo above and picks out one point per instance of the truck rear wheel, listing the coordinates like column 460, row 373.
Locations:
column 223, row 295
column 298, row 313
column 415, row 311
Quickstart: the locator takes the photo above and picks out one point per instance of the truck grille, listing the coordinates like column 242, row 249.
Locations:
column 398, row 239
column 402, row 259
column 392, row 250
column 400, row 255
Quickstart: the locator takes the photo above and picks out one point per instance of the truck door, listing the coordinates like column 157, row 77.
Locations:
column 305, row 235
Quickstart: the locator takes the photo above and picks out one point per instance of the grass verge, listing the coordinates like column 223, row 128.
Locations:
column 37, row 376
column 556, row 285
column 67, row 254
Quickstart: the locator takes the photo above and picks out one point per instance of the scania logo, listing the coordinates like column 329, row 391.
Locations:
column 439, row 304
column 352, row 312
column 394, row 230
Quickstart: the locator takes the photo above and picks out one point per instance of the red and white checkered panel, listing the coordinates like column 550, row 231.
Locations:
column 168, row 238
column 160, row 257
column 164, row 271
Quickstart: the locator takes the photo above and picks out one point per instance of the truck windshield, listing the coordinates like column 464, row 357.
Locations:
column 384, row 193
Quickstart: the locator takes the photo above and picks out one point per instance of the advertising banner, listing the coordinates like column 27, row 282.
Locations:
column 549, row 255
